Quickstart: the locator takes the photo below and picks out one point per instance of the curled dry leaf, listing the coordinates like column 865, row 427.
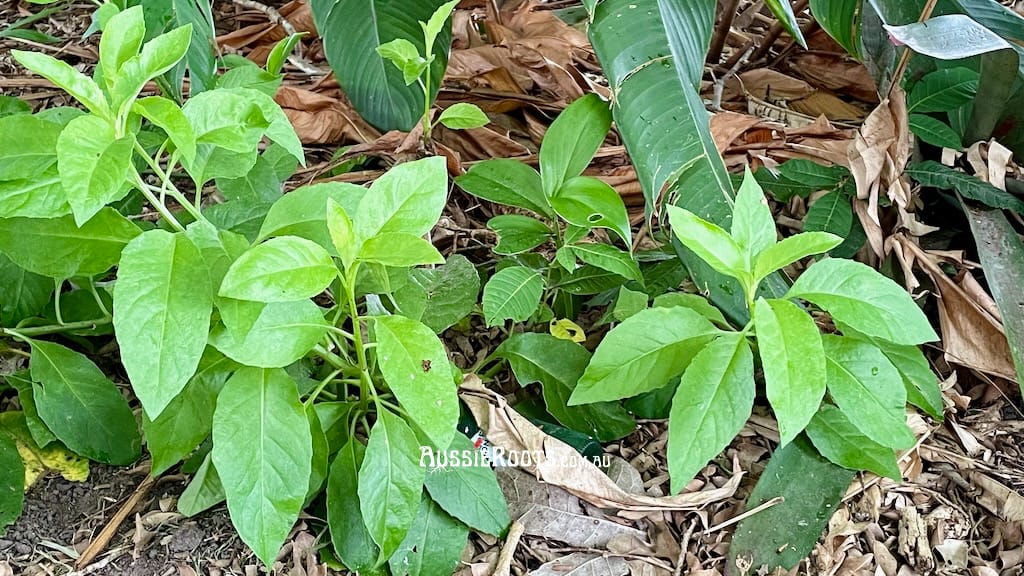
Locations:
column 322, row 119
column 561, row 465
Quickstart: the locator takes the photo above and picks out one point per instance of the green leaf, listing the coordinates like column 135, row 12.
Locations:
column 407, row 199
column 81, row 406
column 162, row 306
column 440, row 296
column 469, row 493
column 23, row 158
column 219, row 248
column 78, row 85
column 282, row 269
column 390, row 482
column 784, row 12
column 628, row 302
column 122, row 37
column 22, row 382
column 943, row 90
column 934, row 132
column 262, row 450
column 376, row 88
column 841, row 19
column 830, row 213
column 793, row 249
column 610, row 258
column 571, row 141
column 188, row 419
column 841, row 442
column 860, row 297
column 518, row 233
column 711, row 405
column 343, row 235
column 301, row 212
column 793, row 361
column 22, row 293
column 557, row 365
column 868, row 389
column 811, row 489
column 41, row 196
column 157, row 56
column 352, row 541
column 931, row 173
column 512, row 294
column 695, row 302
column 591, row 203
column 59, row 249
column 278, row 333
column 169, row 117
column 508, row 182
column 415, row 366
column 94, row 165
column 11, row 105
column 463, row 116
column 279, row 53
column 753, row 228
column 321, row 454
column 433, row 544
column 203, row 492
column 406, row 57
column 643, row 353
column 400, row 250
column 708, row 241
column 12, row 482
column 437, row 21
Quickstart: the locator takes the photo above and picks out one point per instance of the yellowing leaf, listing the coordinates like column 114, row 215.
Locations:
column 38, row 460
column 567, row 330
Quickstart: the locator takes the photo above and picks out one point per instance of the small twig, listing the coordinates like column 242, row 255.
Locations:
column 683, row 545
column 504, row 565
column 751, row 512
column 774, row 32
column 722, row 31
column 926, row 13
column 108, row 532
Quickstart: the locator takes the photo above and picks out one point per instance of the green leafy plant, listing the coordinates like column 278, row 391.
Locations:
column 271, row 360
column 847, row 390
column 415, row 67
column 566, row 207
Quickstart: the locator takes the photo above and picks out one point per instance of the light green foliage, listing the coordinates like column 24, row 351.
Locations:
column 716, row 390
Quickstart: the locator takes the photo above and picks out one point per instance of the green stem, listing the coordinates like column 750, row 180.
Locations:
column 58, row 283
column 166, row 184
column 157, row 204
column 97, row 298
column 332, row 358
column 23, row 333
column 365, row 383
column 320, row 387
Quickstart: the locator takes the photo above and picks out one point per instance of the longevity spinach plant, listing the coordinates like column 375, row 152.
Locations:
column 415, row 67
column 567, row 207
column 869, row 372
column 235, row 365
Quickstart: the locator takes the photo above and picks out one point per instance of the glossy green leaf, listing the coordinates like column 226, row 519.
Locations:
column 931, row 173
column 841, row 442
column 122, row 37
column 281, row 51
column 188, row 419
column 390, row 482
column 24, row 158
column 436, row 23
column 406, row 57
column 784, row 13
column 753, row 227
column 157, row 56
column 262, row 450
column 352, row 541
column 513, row 293
column 59, row 249
column 278, row 333
column 162, row 306
column 399, row 250
column 282, row 269
column 78, row 85
column 868, row 389
column 627, row 303
column 433, row 544
column 695, row 302
column 12, row 482
column 794, row 249
column 469, row 493
column 81, row 406
column 588, row 202
column 830, row 213
column 415, row 366
column 557, row 365
column 610, row 258
column 41, row 196
column 860, row 297
column 934, row 131
column 407, row 198
column 440, row 296
column 219, row 248
column 643, row 353
column 518, row 233
column 321, row 454
column 377, row 88
column 793, row 361
column 343, row 235
column 169, row 117
column 94, row 165
column 708, row 241
column 463, row 116
column 508, row 182
column 203, row 492
column 711, row 405
column 943, row 90
column 22, row 382
column 841, row 19
column 301, row 211
column 22, row 293
column 571, row 141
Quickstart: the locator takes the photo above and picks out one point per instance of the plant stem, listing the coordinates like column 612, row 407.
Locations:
column 365, row 383
column 54, row 328
column 167, row 185
column 320, row 388
column 157, row 204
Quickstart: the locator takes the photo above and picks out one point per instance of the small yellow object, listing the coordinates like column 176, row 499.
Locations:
column 567, row 330
column 39, row 460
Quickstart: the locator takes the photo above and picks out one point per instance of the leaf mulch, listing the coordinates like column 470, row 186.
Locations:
column 960, row 509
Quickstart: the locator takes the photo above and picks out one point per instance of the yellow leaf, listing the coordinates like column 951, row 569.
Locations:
column 40, row 460
column 567, row 330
